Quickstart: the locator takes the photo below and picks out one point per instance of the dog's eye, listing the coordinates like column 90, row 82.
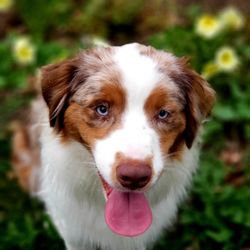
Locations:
column 163, row 114
column 102, row 109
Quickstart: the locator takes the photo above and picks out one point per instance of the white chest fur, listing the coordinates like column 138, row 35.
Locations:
column 73, row 195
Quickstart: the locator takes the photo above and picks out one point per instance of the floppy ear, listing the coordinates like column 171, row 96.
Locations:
column 57, row 84
column 199, row 96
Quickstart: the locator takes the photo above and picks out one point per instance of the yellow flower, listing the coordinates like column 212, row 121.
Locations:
column 208, row 26
column 209, row 70
column 5, row 5
column 226, row 59
column 24, row 51
column 232, row 18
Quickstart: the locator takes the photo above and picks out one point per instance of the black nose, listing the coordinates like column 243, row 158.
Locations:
column 134, row 176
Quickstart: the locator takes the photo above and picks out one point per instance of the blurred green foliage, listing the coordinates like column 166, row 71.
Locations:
column 216, row 216
column 233, row 88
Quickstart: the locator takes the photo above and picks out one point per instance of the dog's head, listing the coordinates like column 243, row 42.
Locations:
column 135, row 108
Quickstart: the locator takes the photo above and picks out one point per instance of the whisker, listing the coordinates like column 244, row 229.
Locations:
column 169, row 162
column 90, row 166
column 171, row 154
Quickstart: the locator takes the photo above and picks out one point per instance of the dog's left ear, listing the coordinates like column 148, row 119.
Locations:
column 57, row 84
column 200, row 98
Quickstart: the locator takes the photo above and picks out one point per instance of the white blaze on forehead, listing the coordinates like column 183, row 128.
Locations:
column 135, row 139
column 139, row 77
column 139, row 73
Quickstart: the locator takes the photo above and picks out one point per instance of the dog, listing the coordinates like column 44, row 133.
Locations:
column 113, row 143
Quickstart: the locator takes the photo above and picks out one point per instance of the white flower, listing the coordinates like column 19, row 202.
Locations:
column 208, row 26
column 100, row 42
column 232, row 18
column 24, row 51
column 226, row 59
column 5, row 5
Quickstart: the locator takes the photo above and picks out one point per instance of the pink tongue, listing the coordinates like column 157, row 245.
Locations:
column 128, row 214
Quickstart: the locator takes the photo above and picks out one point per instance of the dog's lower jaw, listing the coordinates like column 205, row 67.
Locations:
column 74, row 198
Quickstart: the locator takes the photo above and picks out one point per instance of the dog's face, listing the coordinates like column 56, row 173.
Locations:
column 135, row 109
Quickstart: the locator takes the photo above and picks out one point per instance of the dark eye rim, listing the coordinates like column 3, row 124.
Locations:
column 103, row 104
column 164, row 117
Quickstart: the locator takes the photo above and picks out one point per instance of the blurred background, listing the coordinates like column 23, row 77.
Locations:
column 214, row 34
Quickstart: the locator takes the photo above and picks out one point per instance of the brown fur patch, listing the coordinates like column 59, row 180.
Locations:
column 26, row 147
column 170, row 130
column 81, row 121
column 61, row 81
column 20, row 159
column 200, row 98
column 196, row 92
column 56, row 88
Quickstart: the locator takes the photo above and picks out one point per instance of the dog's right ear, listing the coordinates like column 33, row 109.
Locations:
column 56, row 83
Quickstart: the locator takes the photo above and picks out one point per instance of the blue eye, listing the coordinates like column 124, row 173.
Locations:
column 163, row 114
column 102, row 109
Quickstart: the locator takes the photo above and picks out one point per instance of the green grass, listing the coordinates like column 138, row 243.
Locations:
column 23, row 220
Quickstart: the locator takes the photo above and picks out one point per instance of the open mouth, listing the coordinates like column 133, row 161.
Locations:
column 126, row 213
